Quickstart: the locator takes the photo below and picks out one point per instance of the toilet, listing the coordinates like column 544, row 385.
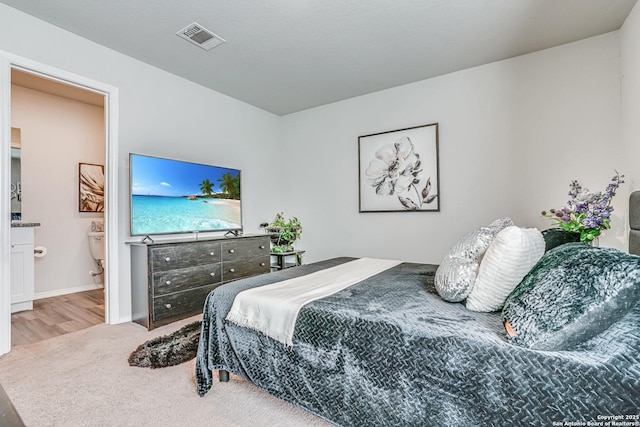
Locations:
column 96, row 246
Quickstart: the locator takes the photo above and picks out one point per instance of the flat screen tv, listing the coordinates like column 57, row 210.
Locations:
column 173, row 196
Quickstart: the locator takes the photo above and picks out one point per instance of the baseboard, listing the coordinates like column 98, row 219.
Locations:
column 21, row 306
column 66, row 291
column 124, row 319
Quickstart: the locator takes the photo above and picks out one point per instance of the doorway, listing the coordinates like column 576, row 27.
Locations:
column 109, row 95
column 61, row 139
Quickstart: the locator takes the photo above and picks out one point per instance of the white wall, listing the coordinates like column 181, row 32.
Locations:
column 163, row 115
column 630, row 51
column 513, row 134
column 57, row 134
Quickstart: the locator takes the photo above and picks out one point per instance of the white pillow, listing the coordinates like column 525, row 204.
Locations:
column 508, row 259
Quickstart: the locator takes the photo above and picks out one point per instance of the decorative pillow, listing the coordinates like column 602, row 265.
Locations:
column 556, row 236
column 508, row 259
column 456, row 274
column 574, row 293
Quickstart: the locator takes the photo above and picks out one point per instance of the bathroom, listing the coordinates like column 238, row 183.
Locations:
column 59, row 128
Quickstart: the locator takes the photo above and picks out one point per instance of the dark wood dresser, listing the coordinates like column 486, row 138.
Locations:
column 171, row 279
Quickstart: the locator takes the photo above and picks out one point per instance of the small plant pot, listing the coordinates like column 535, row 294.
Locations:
column 278, row 239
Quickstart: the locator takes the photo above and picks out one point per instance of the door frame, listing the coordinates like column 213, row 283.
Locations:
column 8, row 62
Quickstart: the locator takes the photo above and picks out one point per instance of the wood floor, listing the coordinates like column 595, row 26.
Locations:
column 55, row 316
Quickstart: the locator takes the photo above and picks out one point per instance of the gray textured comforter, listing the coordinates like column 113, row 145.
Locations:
column 389, row 351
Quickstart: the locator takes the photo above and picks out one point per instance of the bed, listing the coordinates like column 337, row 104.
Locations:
column 390, row 351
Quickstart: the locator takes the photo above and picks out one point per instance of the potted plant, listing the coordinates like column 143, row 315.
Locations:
column 284, row 232
column 587, row 213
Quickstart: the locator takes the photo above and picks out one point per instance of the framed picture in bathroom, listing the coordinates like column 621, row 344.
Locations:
column 91, row 187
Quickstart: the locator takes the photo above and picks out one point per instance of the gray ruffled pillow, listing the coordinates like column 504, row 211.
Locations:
column 457, row 273
column 575, row 292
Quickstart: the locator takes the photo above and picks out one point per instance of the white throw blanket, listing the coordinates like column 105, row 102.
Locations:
column 273, row 309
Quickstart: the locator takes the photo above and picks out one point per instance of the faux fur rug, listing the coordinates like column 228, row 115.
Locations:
column 168, row 350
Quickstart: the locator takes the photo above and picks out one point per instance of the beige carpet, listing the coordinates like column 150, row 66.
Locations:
column 84, row 379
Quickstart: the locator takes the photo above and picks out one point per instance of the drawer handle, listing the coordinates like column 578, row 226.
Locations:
column 167, row 259
column 262, row 264
column 231, row 251
column 212, row 253
column 212, row 274
column 261, row 246
column 232, row 270
column 168, row 282
column 168, row 305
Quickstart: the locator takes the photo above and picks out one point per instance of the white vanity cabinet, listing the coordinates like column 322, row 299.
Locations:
column 22, row 269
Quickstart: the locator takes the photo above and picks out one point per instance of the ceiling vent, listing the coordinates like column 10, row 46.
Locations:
column 200, row 36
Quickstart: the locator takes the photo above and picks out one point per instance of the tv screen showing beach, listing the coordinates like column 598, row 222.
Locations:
column 172, row 196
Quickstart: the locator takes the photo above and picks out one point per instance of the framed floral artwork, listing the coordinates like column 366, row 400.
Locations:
column 398, row 170
column 91, row 182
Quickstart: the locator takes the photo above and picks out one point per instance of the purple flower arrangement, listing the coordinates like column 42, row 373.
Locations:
column 587, row 213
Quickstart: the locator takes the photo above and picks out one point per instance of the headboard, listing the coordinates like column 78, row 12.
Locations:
column 634, row 223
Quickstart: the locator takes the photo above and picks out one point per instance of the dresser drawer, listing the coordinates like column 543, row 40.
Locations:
column 184, row 255
column 180, row 304
column 245, row 248
column 233, row 270
column 167, row 282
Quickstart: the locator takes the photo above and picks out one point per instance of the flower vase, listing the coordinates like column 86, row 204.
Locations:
column 596, row 242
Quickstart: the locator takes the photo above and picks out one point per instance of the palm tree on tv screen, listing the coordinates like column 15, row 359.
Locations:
column 206, row 187
column 230, row 185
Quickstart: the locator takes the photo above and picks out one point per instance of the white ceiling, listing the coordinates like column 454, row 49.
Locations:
column 289, row 55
